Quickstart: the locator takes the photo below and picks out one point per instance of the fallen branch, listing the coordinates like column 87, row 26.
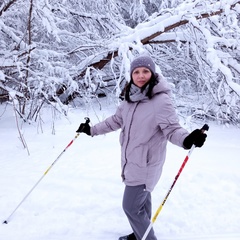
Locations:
column 147, row 40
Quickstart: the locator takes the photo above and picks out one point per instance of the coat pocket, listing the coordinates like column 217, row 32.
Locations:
column 139, row 156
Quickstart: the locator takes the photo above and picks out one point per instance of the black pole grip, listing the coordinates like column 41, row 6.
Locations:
column 205, row 128
column 88, row 120
column 82, row 125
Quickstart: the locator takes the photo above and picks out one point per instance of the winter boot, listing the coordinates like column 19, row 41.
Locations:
column 128, row 237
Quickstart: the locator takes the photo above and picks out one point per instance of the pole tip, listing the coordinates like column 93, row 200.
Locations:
column 5, row 222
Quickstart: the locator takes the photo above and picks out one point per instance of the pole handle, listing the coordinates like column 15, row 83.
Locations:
column 88, row 120
column 82, row 125
column 205, row 128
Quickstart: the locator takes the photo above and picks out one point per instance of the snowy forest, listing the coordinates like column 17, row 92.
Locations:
column 62, row 53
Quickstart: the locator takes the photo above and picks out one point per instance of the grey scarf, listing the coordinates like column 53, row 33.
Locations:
column 136, row 94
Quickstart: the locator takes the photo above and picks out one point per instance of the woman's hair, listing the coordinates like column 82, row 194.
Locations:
column 151, row 83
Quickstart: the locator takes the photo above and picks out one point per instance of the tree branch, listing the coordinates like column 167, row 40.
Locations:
column 100, row 64
column 8, row 5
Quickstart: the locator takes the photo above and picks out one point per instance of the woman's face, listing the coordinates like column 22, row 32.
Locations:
column 141, row 76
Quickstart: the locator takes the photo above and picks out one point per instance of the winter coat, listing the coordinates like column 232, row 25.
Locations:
column 146, row 126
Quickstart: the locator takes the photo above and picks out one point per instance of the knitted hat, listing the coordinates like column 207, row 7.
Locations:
column 142, row 61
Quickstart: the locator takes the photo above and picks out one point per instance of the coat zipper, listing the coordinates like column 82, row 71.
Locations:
column 130, row 125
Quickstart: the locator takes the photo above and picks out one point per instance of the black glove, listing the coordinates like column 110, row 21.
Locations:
column 85, row 128
column 197, row 137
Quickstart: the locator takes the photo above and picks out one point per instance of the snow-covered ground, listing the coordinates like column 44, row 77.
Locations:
column 80, row 197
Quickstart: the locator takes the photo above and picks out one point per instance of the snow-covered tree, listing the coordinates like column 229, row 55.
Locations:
column 52, row 51
column 197, row 47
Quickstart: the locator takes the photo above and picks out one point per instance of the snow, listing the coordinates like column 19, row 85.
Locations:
column 80, row 197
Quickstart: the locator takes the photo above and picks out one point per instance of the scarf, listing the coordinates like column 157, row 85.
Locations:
column 136, row 94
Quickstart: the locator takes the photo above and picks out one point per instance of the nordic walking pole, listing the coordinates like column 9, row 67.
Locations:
column 7, row 220
column 203, row 129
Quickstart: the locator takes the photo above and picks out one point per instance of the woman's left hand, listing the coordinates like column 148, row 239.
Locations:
column 197, row 137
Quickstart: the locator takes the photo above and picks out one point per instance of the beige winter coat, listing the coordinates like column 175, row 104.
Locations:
column 146, row 126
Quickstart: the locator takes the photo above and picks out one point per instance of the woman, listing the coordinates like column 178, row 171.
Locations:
column 147, row 120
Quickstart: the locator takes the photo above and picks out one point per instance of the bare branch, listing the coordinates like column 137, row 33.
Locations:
column 8, row 5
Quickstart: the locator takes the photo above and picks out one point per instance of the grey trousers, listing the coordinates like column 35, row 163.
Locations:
column 137, row 205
